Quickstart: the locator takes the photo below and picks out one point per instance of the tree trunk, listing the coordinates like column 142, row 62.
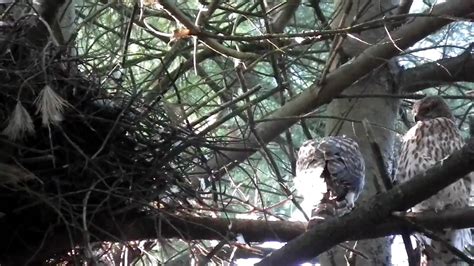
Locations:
column 379, row 111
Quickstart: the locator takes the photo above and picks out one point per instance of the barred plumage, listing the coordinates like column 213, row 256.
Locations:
column 332, row 164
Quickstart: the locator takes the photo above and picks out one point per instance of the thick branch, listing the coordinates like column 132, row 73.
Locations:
column 459, row 68
column 192, row 228
column 284, row 15
column 403, row 7
column 49, row 8
column 337, row 81
column 374, row 211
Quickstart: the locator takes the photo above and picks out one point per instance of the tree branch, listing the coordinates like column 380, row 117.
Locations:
column 403, row 7
column 284, row 15
column 459, row 68
column 194, row 228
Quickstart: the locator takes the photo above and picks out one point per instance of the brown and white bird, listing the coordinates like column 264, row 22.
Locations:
column 331, row 165
column 431, row 139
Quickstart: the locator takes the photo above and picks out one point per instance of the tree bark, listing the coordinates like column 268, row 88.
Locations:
column 381, row 111
column 444, row 71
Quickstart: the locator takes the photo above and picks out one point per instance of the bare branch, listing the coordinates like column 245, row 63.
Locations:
column 459, row 68
column 404, row 7
column 284, row 15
